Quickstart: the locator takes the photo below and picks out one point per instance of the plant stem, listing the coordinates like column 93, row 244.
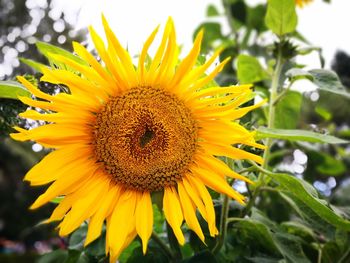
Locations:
column 270, row 124
column 223, row 225
column 162, row 245
column 271, row 116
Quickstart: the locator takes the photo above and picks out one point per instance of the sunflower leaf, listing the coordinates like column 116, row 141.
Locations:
column 33, row 64
column 288, row 110
column 12, row 89
column 307, row 195
column 281, row 16
column 48, row 49
column 249, row 70
column 328, row 80
column 297, row 135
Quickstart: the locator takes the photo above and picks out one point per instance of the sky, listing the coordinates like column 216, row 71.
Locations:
column 133, row 20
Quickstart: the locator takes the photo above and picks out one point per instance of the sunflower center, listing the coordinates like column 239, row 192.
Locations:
column 145, row 139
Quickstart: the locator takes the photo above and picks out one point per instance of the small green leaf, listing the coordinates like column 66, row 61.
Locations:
column 288, row 110
column 329, row 81
column 281, row 17
column 296, row 73
column 330, row 166
column 12, row 89
column 297, row 135
column 256, row 17
column 212, row 11
column 47, row 49
column 249, row 70
column 324, row 113
column 33, row 64
column 76, row 240
column 57, row 200
column 306, row 194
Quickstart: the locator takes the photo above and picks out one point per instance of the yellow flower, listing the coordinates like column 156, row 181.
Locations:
column 124, row 132
column 301, row 3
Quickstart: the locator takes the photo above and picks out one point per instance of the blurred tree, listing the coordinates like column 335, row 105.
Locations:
column 22, row 23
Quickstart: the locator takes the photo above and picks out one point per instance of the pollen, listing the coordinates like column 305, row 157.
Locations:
column 145, row 139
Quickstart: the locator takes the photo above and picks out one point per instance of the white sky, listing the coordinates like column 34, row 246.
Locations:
column 133, row 20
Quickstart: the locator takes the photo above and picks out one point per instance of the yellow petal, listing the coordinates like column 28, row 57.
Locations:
column 214, row 164
column 208, row 203
column 189, row 211
column 173, row 212
column 144, row 219
column 142, row 59
column 77, row 176
column 56, row 163
column 189, row 61
column 122, row 222
column 120, row 51
column 217, row 183
column 90, row 199
column 194, row 195
column 232, row 152
column 106, row 207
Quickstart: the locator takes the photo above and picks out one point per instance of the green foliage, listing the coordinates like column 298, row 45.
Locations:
column 326, row 80
column 288, row 110
column 48, row 50
column 281, row 17
column 249, row 70
column 12, row 89
column 297, row 135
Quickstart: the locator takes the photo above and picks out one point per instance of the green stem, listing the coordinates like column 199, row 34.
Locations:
column 319, row 258
column 271, row 116
column 270, row 124
column 162, row 245
column 223, row 225
column 283, row 93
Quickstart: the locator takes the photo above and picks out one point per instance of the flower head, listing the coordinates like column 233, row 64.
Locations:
column 123, row 132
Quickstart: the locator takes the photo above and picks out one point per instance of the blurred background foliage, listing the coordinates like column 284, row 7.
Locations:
column 286, row 221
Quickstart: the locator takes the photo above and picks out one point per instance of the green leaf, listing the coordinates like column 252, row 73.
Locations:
column 297, row 135
column 309, row 217
column 127, row 252
column 256, row 17
column 12, row 89
column 330, row 166
column 296, row 73
column 249, row 69
column 212, row 11
column 265, row 233
column 288, row 110
column 298, row 229
column 56, row 256
column 33, row 64
column 324, row 113
column 57, row 200
column 47, row 49
column 307, row 195
column 281, row 17
column 76, row 240
column 329, row 81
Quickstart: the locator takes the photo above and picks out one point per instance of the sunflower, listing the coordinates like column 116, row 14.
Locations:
column 301, row 3
column 123, row 132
